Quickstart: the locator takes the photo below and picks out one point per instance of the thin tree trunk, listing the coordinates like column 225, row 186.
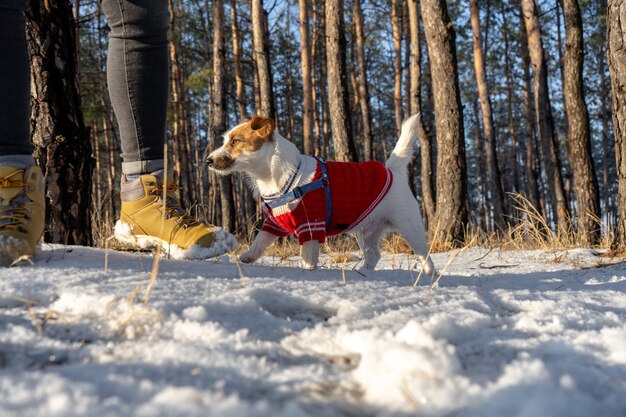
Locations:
column 607, row 163
column 428, row 196
column 545, row 121
column 366, row 113
column 288, row 79
column 483, row 209
column 61, row 140
column 181, row 130
column 220, row 111
column 307, row 86
column 396, row 22
column 578, row 131
column 495, row 184
column 340, row 115
column 314, row 84
column 531, row 156
column 616, row 55
column 451, row 212
column 515, row 163
column 241, row 92
column 261, row 59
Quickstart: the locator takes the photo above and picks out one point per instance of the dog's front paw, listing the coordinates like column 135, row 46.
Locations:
column 247, row 258
column 306, row 265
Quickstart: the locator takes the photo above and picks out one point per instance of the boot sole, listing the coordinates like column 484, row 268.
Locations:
column 224, row 243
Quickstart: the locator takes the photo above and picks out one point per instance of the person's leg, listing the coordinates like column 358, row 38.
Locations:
column 14, row 81
column 22, row 211
column 138, row 79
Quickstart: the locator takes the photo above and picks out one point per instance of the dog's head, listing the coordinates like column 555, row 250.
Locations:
column 243, row 146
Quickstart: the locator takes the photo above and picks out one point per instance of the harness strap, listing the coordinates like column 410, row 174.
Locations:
column 302, row 190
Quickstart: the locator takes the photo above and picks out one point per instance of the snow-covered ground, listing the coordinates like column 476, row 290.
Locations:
column 503, row 334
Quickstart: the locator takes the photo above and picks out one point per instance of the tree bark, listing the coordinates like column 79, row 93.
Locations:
column 578, row 131
column 616, row 54
column 396, row 23
column 428, row 196
column 241, row 92
column 495, row 183
column 261, row 59
column 220, row 111
column 181, row 127
column 364, row 102
column 545, row 121
column 514, row 154
column 307, row 86
column 532, row 183
column 58, row 131
column 340, row 117
column 451, row 215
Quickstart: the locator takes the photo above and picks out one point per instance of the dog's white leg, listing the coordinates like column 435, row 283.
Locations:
column 310, row 253
column 261, row 242
column 370, row 245
column 360, row 240
column 412, row 229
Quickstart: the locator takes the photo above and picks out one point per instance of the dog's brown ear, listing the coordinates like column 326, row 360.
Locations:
column 262, row 127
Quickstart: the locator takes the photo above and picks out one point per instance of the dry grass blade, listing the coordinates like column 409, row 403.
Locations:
column 242, row 278
column 26, row 301
column 157, row 255
column 106, row 254
column 452, row 258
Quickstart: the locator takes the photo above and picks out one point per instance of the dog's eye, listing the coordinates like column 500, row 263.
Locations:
column 234, row 141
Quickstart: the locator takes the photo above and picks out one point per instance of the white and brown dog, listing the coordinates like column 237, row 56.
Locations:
column 312, row 199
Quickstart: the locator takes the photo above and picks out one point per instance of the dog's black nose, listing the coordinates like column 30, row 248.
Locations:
column 209, row 161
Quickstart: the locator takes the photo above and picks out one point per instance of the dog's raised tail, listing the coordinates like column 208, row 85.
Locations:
column 403, row 152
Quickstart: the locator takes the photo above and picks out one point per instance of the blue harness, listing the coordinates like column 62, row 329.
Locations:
column 302, row 190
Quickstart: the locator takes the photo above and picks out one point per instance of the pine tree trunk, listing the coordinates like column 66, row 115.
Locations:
column 515, row 155
column 227, row 201
column 607, row 146
column 545, row 121
column 396, row 23
column 261, row 59
column 180, row 126
column 61, row 140
column 241, row 93
column 314, row 75
column 483, row 208
column 451, row 215
column 289, row 86
column 532, row 167
column 616, row 55
column 340, row 115
column 495, row 184
column 307, row 86
column 578, row 131
column 428, row 196
column 364, row 102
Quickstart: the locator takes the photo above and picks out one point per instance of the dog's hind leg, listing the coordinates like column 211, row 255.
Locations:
column 412, row 229
column 369, row 242
column 310, row 253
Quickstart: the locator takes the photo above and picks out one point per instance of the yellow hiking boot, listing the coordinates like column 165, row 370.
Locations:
column 141, row 222
column 22, row 213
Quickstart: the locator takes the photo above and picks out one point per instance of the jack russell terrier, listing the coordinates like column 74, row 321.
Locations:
column 311, row 198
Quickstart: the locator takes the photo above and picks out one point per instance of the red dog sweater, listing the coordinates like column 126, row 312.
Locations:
column 356, row 189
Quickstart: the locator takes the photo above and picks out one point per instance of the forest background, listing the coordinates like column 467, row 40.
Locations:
column 517, row 134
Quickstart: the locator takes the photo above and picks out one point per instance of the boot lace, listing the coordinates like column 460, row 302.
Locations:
column 15, row 216
column 173, row 207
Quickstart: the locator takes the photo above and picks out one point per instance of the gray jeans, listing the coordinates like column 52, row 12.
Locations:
column 137, row 75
